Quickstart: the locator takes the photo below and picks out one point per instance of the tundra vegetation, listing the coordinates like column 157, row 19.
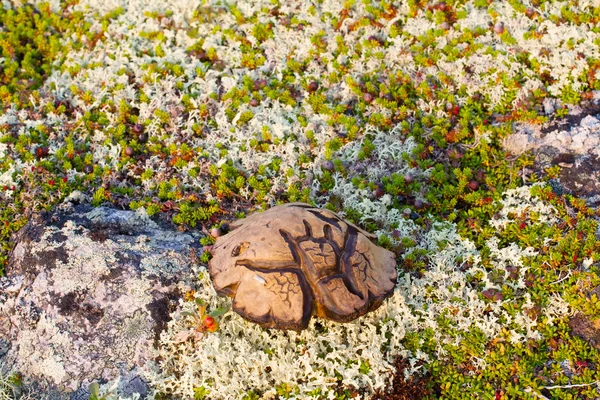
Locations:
column 391, row 114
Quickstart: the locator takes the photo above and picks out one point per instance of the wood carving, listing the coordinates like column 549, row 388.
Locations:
column 283, row 265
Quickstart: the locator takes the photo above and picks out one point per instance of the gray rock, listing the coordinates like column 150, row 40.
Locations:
column 583, row 327
column 86, row 295
column 549, row 106
column 571, row 142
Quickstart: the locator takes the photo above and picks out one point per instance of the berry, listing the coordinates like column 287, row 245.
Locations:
column 409, row 178
column 419, row 204
column 138, row 129
column 499, row 27
column 128, row 151
column 327, row 165
column 379, row 192
column 88, row 169
column 143, row 138
column 442, row 6
column 254, row 102
column 445, row 25
column 473, row 185
column 368, row 97
column 530, row 12
column 523, row 225
column 388, row 97
column 41, row 152
column 480, row 175
column 313, row 86
column 210, row 324
column 215, row 232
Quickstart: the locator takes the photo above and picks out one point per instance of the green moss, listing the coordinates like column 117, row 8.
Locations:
column 190, row 214
column 30, row 41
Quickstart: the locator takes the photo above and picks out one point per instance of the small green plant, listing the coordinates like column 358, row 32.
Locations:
column 10, row 386
column 190, row 213
column 200, row 393
column 251, row 395
column 94, row 389
column 286, row 390
column 202, row 322
column 30, row 41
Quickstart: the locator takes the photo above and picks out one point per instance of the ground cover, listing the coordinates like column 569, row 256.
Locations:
column 391, row 114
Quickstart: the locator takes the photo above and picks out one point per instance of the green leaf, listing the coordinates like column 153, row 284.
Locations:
column 187, row 314
column 94, row 389
column 200, row 302
column 217, row 312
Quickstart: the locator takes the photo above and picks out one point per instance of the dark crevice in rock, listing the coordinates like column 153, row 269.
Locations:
column 99, row 235
column 68, row 303
column 159, row 309
column 92, row 313
column 587, row 108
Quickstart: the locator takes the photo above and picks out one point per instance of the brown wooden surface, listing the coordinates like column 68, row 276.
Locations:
column 283, row 265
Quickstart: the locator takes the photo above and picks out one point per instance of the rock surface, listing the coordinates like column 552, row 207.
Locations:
column 586, row 329
column 572, row 143
column 285, row 264
column 87, row 292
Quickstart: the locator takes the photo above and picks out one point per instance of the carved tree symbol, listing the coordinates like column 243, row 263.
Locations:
column 316, row 262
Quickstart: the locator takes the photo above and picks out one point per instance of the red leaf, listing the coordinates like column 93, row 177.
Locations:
column 492, row 294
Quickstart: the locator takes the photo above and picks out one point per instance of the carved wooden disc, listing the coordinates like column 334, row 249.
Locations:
column 282, row 265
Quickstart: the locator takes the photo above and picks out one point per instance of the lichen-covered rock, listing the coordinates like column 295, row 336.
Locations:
column 572, row 143
column 285, row 264
column 86, row 295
